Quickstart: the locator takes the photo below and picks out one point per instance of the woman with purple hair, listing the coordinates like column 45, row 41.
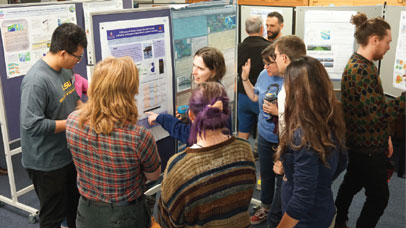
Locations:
column 210, row 183
column 208, row 66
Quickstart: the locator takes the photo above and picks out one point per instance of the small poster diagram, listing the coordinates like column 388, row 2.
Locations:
column 13, row 68
column 24, row 57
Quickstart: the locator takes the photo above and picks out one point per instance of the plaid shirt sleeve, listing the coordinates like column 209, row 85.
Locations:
column 149, row 153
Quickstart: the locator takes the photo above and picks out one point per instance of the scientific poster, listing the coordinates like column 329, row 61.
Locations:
column 329, row 37
column 27, row 38
column 399, row 68
column 147, row 42
column 197, row 28
column 91, row 7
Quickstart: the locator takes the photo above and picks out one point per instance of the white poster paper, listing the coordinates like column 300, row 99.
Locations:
column 399, row 68
column 90, row 7
column 147, row 42
column 329, row 37
column 27, row 32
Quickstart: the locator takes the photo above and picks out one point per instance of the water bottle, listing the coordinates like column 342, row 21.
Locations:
column 182, row 111
column 271, row 98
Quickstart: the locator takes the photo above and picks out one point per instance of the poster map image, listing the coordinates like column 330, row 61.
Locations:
column 221, row 22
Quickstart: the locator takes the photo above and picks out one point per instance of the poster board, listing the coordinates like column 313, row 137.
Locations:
column 36, row 44
column 335, row 41
column 200, row 25
column 96, row 6
column 246, row 11
column 393, row 63
column 136, row 18
column 145, row 35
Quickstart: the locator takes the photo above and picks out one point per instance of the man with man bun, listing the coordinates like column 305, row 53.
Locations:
column 367, row 116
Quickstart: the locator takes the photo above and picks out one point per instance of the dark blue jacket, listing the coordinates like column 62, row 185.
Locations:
column 306, row 194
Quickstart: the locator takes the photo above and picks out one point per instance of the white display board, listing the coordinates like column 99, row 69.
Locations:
column 333, row 12
column 99, row 6
column 399, row 68
column 263, row 11
column 27, row 32
column 393, row 62
column 147, row 41
column 330, row 38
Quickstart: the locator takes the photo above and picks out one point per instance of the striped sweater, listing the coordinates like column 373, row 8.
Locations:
column 208, row 187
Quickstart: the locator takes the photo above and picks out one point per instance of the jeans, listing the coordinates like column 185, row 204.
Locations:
column 266, row 150
column 275, row 213
column 58, row 195
column 369, row 172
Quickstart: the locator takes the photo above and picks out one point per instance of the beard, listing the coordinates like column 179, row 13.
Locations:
column 274, row 35
column 377, row 56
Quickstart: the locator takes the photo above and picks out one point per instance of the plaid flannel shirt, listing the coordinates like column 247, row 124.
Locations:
column 110, row 167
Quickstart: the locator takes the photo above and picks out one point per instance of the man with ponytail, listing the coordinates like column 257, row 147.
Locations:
column 367, row 117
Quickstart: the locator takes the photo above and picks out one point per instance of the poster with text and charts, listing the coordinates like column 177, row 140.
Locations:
column 329, row 37
column 90, row 7
column 399, row 68
column 147, row 42
column 27, row 38
column 194, row 28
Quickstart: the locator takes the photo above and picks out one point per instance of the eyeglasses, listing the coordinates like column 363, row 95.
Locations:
column 76, row 56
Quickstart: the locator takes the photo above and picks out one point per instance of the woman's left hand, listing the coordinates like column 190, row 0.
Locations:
column 270, row 108
column 151, row 117
column 278, row 168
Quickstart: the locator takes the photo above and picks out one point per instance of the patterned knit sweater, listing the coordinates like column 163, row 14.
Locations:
column 208, row 187
column 366, row 112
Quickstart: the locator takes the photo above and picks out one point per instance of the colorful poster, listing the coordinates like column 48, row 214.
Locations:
column 330, row 38
column 26, row 39
column 147, row 42
column 201, row 27
column 399, row 68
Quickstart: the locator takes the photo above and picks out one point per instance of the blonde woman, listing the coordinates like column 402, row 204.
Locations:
column 113, row 156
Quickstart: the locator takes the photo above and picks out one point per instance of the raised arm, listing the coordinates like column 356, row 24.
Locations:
column 248, row 87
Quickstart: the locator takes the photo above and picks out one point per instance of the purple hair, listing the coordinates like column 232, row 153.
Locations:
column 208, row 118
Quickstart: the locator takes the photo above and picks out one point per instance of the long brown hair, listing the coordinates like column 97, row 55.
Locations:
column 111, row 94
column 312, row 108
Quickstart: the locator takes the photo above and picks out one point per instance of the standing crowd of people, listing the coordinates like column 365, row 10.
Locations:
column 97, row 159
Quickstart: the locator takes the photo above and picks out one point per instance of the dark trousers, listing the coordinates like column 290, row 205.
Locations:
column 369, row 172
column 266, row 150
column 58, row 195
column 93, row 214
column 275, row 213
